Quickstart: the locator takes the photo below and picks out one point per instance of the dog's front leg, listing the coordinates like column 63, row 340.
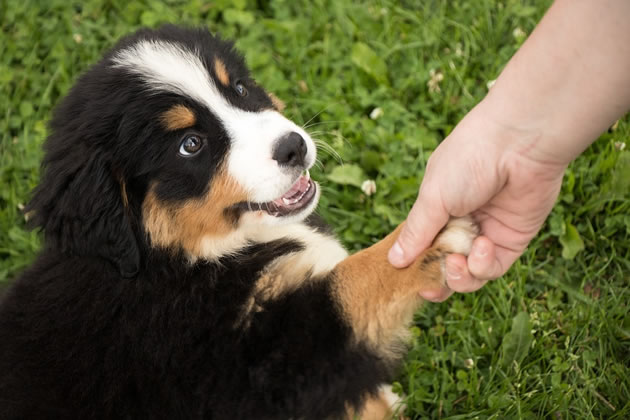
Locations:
column 378, row 300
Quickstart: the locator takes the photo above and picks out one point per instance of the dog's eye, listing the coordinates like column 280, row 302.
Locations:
column 240, row 89
column 190, row 146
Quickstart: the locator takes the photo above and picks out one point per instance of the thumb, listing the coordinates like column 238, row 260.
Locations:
column 426, row 218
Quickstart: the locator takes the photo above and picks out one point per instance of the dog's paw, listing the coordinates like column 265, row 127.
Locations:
column 456, row 238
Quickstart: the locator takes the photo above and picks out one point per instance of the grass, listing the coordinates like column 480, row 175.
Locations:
column 551, row 339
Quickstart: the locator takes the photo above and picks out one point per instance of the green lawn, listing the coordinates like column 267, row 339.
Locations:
column 551, row 339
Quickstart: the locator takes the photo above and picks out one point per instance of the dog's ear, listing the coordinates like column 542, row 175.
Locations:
column 81, row 205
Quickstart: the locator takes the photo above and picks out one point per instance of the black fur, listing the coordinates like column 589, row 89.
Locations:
column 79, row 341
column 105, row 326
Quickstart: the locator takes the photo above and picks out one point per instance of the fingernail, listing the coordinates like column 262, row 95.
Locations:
column 452, row 273
column 396, row 254
column 481, row 251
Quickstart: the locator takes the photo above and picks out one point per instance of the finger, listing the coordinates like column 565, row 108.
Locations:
column 458, row 277
column 488, row 261
column 509, row 242
column 425, row 220
column 482, row 262
column 439, row 293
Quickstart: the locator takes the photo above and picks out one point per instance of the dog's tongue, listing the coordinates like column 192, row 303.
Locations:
column 295, row 193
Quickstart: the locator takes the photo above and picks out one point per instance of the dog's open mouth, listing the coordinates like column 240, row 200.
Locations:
column 295, row 199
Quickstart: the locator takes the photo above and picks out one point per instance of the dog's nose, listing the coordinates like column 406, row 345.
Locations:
column 290, row 150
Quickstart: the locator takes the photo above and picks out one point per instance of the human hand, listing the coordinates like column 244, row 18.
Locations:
column 504, row 162
column 499, row 176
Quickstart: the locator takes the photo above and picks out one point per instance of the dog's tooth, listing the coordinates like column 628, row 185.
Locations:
column 286, row 201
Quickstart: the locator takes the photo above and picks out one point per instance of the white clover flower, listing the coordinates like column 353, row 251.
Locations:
column 459, row 52
column 376, row 113
column 518, row 33
column 368, row 187
column 469, row 363
column 620, row 145
column 434, row 81
column 78, row 38
column 491, row 83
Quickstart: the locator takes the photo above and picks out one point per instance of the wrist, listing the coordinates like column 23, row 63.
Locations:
column 530, row 130
column 567, row 83
column 511, row 146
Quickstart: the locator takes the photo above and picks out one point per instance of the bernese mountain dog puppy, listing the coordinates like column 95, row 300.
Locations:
column 182, row 274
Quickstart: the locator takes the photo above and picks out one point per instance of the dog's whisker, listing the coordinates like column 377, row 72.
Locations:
column 336, row 134
column 317, row 114
column 325, row 147
column 322, row 122
column 318, row 164
column 330, row 151
column 342, row 137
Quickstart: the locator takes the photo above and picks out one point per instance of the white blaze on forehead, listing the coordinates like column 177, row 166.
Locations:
column 171, row 67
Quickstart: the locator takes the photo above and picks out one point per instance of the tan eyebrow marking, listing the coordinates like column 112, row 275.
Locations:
column 178, row 117
column 221, row 72
column 277, row 102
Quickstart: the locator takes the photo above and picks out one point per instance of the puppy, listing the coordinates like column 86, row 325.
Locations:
column 183, row 275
